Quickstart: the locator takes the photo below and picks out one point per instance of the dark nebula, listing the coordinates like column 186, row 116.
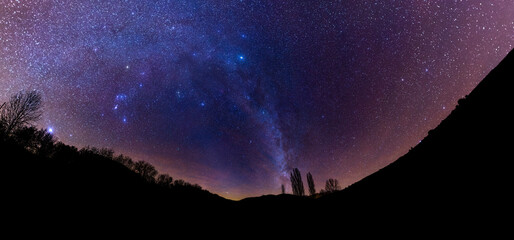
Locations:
column 234, row 94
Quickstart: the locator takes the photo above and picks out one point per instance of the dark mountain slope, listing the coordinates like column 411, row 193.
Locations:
column 461, row 169
column 76, row 187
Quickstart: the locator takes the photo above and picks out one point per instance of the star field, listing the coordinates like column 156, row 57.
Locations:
column 234, row 94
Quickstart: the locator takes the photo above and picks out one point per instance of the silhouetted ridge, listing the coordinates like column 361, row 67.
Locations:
column 44, row 178
column 461, row 169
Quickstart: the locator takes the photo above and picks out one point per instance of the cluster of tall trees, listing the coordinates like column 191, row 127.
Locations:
column 298, row 189
column 22, row 110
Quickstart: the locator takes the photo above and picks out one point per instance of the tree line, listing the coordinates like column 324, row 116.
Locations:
column 22, row 110
column 331, row 185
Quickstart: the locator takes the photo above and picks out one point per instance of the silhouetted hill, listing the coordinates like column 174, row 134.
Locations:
column 80, row 187
column 460, row 171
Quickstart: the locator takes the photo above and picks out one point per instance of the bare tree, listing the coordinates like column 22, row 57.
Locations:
column 332, row 185
column 283, row 188
column 297, row 183
column 22, row 109
column 310, row 184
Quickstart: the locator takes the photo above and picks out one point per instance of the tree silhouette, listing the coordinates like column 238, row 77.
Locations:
column 297, row 183
column 146, row 170
column 22, row 109
column 125, row 160
column 39, row 142
column 65, row 152
column 165, row 180
column 179, row 183
column 106, row 152
column 310, row 184
column 332, row 185
column 283, row 188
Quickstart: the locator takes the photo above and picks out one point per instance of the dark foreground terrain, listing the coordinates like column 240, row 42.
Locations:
column 460, row 174
column 463, row 167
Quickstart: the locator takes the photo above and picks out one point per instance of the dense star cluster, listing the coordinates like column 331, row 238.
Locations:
column 233, row 95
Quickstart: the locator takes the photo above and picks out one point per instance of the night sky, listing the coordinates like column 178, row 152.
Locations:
column 234, row 94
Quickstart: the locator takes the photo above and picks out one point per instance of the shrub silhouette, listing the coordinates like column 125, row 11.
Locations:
column 297, row 183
